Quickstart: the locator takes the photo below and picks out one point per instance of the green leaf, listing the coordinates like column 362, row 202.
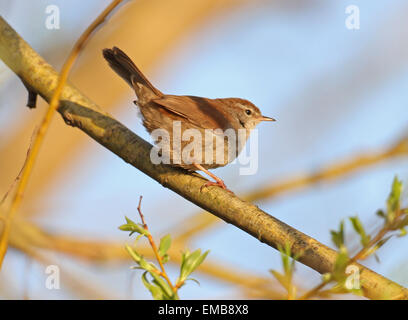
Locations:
column 326, row 277
column 141, row 261
column 393, row 201
column 373, row 249
column 194, row 280
column 288, row 262
column 160, row 282
column 190, row 262
column 380, row 243
column 135, row 256
column 395, row 195
column 282, row 279
column 199, row 260
column 381, row 213
column 338, row 236
column 165, row 258
column 148, row 266
column 358, row 227
column 133, row 227
column 138, row 238
column 403, row 222
column 340, row 265
column 184, row 255
column 165, row 244
column 157, row 292
column 129, row 221
column 285, row 256
column 403, row 232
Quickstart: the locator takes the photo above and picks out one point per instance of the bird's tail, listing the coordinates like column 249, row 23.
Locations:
column 124, row 67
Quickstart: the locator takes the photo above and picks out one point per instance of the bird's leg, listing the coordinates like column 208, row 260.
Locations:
column 218, row 182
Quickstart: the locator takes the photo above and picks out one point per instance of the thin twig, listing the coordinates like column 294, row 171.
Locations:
column 27, row 169
column 21, row 170
column 28, row 235
column 163, row 272
column 314, row 291
column 361, row 255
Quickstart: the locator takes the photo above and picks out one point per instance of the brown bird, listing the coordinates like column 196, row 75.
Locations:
column 207, row 146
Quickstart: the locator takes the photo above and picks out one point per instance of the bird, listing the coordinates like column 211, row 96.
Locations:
column 205, row 118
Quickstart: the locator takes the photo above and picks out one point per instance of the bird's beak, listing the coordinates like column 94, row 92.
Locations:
column 263, row 118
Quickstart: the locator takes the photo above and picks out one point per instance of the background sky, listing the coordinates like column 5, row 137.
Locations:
column 335, row 92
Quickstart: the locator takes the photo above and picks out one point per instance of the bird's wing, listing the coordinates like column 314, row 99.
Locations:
column 201, row 112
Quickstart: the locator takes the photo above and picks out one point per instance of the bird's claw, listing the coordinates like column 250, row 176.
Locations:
column 218, row 183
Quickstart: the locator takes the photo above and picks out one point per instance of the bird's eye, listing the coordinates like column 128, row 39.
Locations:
column 248, row 112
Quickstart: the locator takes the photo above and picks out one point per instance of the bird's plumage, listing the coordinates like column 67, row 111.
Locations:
column 161, row 111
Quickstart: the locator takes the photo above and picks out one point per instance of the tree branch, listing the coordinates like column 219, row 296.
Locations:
column 42, row 130
column 28, row 237
column 82, row 113
column 199, row 222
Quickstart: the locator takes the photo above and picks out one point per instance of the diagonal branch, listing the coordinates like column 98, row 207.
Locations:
column 80, row 112
column 199, row 223
column 42, row 130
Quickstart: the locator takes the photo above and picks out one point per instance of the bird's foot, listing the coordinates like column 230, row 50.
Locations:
column 218, row 183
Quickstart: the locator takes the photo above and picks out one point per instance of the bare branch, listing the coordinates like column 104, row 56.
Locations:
column 40, row 134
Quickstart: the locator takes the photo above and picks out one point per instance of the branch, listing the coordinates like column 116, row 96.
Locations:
column 159, row 259
column 28, row 237
column 199, row 223
column 41, row 132
column 186, row 19
column 80, row 112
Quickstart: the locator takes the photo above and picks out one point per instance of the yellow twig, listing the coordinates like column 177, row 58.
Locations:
column 19, row 174
column 39, row 137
